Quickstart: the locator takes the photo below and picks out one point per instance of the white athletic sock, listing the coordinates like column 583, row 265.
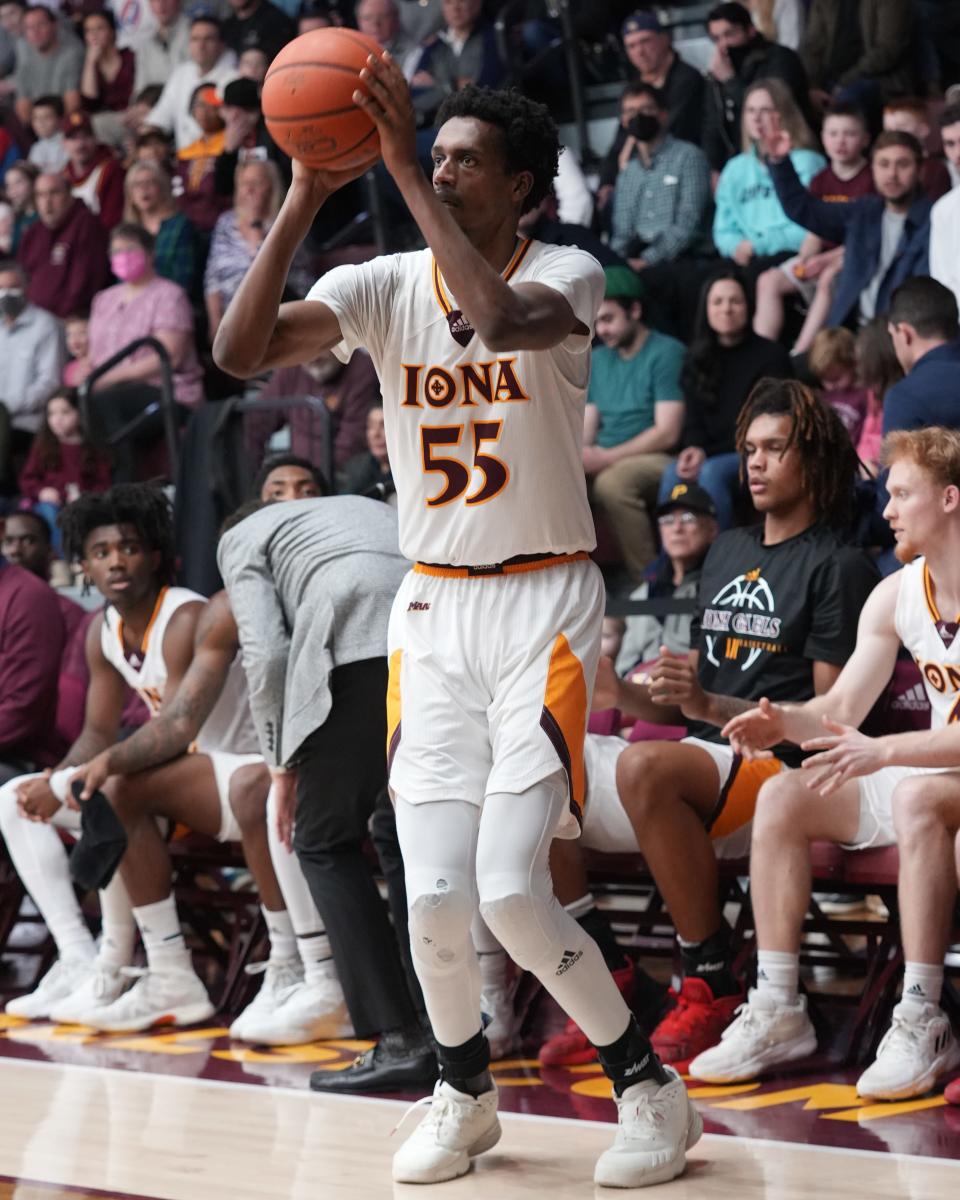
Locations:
column 40, row 860
column 922, row 984
column 118, row 934
column 283, row 943
column 162, row 936
column 778, row 975
column 315, row 954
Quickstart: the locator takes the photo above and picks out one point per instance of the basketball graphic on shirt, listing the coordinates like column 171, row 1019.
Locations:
column 750, row 592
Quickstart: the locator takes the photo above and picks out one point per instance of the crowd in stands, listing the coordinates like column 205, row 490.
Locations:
column 789, row 213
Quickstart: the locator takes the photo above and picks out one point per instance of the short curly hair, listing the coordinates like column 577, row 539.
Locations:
column 530, row 138
column 147, row 509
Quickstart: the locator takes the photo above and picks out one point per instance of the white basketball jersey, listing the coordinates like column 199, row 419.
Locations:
column 230, row 727
column 933, row 642
column 485, row 446
column 145, row 671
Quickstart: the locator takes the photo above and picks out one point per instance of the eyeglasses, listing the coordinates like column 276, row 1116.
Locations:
column 683, row 518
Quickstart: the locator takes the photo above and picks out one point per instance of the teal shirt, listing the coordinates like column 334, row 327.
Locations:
column 625, row 390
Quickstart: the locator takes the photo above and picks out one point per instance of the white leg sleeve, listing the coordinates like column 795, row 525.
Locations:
column 293, row 887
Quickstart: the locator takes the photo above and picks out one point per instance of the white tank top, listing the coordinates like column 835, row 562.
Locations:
column 933, row 642
column 146, row 670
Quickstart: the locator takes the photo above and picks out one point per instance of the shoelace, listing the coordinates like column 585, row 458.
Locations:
column 641, row 1112
column 134, row 972
column 900, row 1031
column 283, row 974
column 413, row 1108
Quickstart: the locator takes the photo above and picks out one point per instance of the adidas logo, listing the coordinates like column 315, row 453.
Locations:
column 915, row 990
column 943, row 1040
column 914, row 700
column 570, row 959
column 761, row 974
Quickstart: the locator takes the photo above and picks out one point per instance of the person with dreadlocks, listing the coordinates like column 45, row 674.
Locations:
column 145, row 638
column 777, row 610
column 862, row 792
column 482, row 345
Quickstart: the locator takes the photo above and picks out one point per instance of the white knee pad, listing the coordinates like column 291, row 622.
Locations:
column 524, row 925
column 440, row 922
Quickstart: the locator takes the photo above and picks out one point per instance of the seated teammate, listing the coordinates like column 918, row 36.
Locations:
column 147, row 776
column 862, row 793
column 778, row 604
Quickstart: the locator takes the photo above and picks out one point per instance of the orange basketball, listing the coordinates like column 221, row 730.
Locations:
column 308, row 99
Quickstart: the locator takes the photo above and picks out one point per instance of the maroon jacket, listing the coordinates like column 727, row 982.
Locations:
column 109, row 185
column 32, row 640
column 35, row 476
column 66, row 265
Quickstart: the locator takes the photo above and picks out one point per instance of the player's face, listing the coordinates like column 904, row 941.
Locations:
column 895, row 173
column 616, row 327
column 774, row 468
column 120, row 565
column 289, row 483
column 844, row 139
column 469, row 174
column 686, row 535
column 916, row 508
column 24, row 545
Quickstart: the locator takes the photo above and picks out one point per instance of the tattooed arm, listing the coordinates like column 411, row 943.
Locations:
column 186, row 706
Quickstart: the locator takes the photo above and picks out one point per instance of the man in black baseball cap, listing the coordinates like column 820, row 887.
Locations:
column 653, row 59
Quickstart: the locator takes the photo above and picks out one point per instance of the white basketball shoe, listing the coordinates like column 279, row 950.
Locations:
column 303, row 1011
column 62, row 980
column 175, row 997
column 102, row 986
column 657, row 1126
column 916, row 1050
column 456, row 1129
column 764, row 1035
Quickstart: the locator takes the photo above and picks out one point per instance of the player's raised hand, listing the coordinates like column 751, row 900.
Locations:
column 312, row 185
column 390, row 107
column 845, row 753
column 775, row 141
column 753, row 733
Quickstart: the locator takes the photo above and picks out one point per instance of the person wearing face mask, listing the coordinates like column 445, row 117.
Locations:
column 33, row 354
column 660, row 210
column 142, row 304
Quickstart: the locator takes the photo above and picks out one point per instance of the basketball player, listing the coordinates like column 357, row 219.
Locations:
column 481, row 343
column 864, row 792
column 146, row 776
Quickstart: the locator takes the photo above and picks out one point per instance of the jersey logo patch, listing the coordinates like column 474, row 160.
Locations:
column 460, row 328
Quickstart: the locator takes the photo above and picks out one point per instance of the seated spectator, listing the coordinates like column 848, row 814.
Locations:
column 742, row 55
column 253, row 64
column 832, row 361
column 750, row 225
column 160, row 50
column 288, row 477
column 859, row 52
column 780, row 21
column 196, row 163
column 106, row 84
column 346, row 391
column 878, row 369
column 923, row 327
column 885, row 237
column 464, row 51
column 18, row 184
column 245, row 137
column 543, row 223
column 32, row 640
column 631, row 101
column 31, row 350
column 153, row 145
column 369, row 473
column 380, row 20
column 725, row 360
column 62, row 462
column 239, row 234
column 811, row 273
column 141, row 305
column 48, row 152
column 150, row 203
column 210, row 61
column 93, row 172
column 65, row 251
column 11, row 30
column 633, row 419
column 907, row 114
column 76, row 329
column 945, row 216
column 49, row 62
column 419, row 19
column 660, row 212
column 257, row 23
column 653, row 60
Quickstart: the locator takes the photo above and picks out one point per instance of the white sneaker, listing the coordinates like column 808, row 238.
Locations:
column 916, row 1050
column 62, row 980
column 307, row 1011
column 456, row 1128
column 101, row 987
column 174, row 997
column 657, row 1126
column 279, row 975
column 764, row 1035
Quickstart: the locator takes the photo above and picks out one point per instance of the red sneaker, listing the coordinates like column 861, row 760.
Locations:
column 572, row 1047
column 694, row 1025
column 951, row 1093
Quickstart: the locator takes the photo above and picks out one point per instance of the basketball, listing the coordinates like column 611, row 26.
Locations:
column 308, row 99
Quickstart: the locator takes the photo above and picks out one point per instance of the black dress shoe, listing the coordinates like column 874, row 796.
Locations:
column 393, row 1065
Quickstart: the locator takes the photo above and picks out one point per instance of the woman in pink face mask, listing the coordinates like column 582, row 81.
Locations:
column 142, row 304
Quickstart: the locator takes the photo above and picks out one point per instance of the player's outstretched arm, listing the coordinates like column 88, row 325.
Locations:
column 257, row 332
column 528, row 316
column 846, row 703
